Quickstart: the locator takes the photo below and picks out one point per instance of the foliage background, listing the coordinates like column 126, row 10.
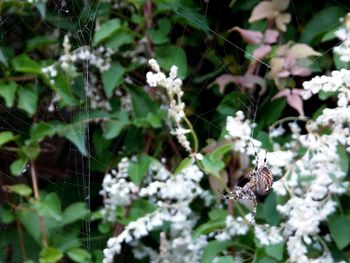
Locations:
column 65, row 122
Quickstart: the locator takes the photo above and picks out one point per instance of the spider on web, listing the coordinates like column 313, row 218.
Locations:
column 259, row 184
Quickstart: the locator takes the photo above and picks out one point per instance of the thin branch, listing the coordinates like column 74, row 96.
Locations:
column 21, row 239
column 37, row 197
column 34, row 180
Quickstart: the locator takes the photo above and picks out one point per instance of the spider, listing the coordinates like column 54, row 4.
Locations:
column 259, row 184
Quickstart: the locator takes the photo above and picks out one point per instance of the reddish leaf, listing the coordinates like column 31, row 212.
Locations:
column 248, row 81
column 249, row 36
column 299, row 71
column 271, row 36
column 261, row 51
column 293, row 98
column 282, row 93
column 264, row 9
column 296, row 102
column 223, row 80
column 281, row 21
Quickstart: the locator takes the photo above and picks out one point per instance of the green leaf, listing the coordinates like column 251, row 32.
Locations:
column 138, row 170
column 39, row 42
column 27, row 100
column 5, row 137
column 209, row 227
column 119, row 39
column 184, row 164
column 18, row 166
column 262, row 257
column 330, row 35
column 50, row 206
column 8, row 92
column 30, row 220
column 141, row 102
column 186, row 13
column 79, row 255
column 270, row 212
column 220, row 151
column 104, row 228
column 25, row 64
column 138, row 208
column 63, row 87
column 167, row 56
column 339, row 226
column 74, row 212
column 211, row 166
column 160, row 35
column 3, row 58
column 225, row 259
column 6, row 216
column 321, row 23
column 343, row 158
column 39, row 131
column 217, row 213
column 50, row 255
column 275, row 251
column 31, row 151
column 75, row 133
column 66, row 239
column 273, row 110
column 20, row 189
column 112, row 77
column 113, row 127
column 213, row 248
column 339, row 64
column 106, row 30
column 323, row 95
column 41, row 6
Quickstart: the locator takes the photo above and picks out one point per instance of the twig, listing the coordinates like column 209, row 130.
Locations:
column 20, row 78
column 37, row 197
column 21, row 239
column 34, row 180
column 147, row 12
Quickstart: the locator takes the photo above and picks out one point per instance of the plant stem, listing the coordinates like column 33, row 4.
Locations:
column 34, row 180
column 37, row 197
column 194, row 136
column 21, row 239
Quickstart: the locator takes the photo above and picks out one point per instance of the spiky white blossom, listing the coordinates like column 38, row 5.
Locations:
column 268, row 235
column 343, row 50
column 172, row 194
column 234, row 227
column 240, row 130
column 117, row 190
column 176, row 108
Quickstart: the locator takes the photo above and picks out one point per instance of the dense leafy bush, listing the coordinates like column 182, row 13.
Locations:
column 124, row 122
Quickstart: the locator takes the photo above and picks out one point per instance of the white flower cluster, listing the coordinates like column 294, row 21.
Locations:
column 234, row 227
column 117, row 190
column 176, row 107
column 173, row 195
column 51, row 72
column 100, row 58
column 94, row 93
column 181, row 249
column 338, row 117
column 343, row 50
column 268, row 235
column 314, row 177
column 240, row 130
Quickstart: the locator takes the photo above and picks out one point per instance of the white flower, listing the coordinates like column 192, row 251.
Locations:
column 268, row 235
column 277, row 132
